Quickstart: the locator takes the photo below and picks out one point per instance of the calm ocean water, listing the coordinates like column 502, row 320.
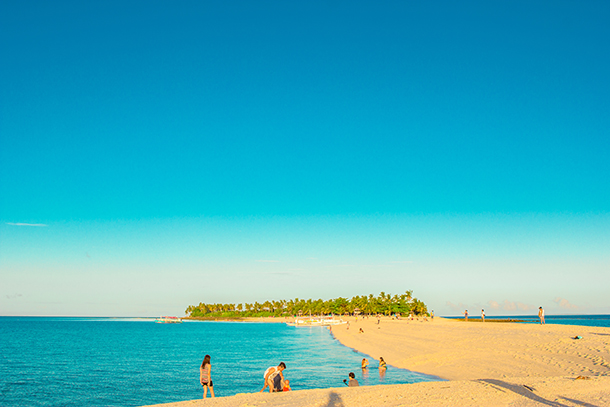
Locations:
column 131, row 362
column 584, row 320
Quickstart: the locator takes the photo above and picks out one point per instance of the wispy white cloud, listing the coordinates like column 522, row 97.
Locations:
column 267, row 261
column 563, row 303
column 525, row 307
column 456, row 307
column 281, row 273
column 26, row 224
column 377, row 265
column 510, row 306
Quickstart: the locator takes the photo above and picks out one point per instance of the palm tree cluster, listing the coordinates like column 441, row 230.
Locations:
column 385, row 304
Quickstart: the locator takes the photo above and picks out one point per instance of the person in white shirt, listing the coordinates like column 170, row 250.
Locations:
column 274, row 378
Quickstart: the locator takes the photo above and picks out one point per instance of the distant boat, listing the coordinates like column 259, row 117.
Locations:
column 316, row 321
column 168, row 320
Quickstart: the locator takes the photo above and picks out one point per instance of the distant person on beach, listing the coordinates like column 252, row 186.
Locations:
column 352, row 380
column 466, row 315
column 205, row 377
column 382, row 364
column 432, row 314
column 274, row 378
column 541, row 315
column 361, row 331
column 483, row 315
column 365, row 363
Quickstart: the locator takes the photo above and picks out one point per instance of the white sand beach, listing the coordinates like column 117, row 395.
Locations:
column 485, row 364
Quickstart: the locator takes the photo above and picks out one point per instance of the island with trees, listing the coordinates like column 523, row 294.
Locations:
column 385, row 304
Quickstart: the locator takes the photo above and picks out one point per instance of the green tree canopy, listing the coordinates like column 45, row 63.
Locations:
column 386, row 304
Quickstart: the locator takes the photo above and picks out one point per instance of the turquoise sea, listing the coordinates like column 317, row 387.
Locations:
column 133, row 362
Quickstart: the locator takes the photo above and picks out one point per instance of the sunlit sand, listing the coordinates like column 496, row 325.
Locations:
column 485, row 364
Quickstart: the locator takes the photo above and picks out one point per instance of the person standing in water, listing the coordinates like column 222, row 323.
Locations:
column 541, row 315
column 205, row 377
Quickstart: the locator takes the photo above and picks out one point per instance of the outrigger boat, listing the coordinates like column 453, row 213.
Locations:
column 168, row 320
column 316, row 321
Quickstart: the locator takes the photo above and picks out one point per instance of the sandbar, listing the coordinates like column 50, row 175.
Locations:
column 484, row 364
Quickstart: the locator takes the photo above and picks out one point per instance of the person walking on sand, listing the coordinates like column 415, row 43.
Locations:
column 541, row 315
column 466, row 315
column 274, row 378
column 205, row 377
column 483, row 315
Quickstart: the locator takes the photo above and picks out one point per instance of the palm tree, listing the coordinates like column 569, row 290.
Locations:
column 384, row 303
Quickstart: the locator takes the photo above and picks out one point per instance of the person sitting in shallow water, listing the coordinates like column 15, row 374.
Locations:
column 365, row 363
column 382, row 364
column 352, row 380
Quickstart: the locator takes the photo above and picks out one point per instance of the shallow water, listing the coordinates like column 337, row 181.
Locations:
column 131, row 362
column 582, row 320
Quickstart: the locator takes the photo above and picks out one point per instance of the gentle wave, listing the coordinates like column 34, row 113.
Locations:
column 134, row 362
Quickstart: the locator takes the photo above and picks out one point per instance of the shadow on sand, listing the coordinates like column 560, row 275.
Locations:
column 334, row 400
column 525, row 392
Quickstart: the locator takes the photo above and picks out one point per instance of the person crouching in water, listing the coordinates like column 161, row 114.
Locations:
column 352, row 380
column 205, row 377
column 274, row 378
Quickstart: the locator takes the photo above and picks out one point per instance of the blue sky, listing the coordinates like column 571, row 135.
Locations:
column 204, row 151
